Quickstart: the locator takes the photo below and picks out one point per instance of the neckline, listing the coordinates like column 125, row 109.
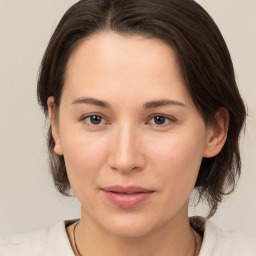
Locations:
column 198, row 223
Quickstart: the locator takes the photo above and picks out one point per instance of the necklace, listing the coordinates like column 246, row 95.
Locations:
column 74, row 233
column 194, row 232
column 79, row 254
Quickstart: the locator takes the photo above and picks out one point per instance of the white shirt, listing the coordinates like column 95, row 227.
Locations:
column 53, row 241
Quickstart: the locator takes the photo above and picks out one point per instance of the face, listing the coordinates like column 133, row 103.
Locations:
column 130, row 134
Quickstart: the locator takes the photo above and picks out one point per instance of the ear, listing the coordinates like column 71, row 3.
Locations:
column 54, row 125
column 217, row 133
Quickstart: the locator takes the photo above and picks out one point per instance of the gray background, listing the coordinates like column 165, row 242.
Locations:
column 28, row 199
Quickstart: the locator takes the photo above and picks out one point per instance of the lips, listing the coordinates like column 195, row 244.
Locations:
column 127, row 197
column 126, row 190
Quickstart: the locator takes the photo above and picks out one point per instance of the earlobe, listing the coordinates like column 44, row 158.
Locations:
column 54, row 127
column 217, row 133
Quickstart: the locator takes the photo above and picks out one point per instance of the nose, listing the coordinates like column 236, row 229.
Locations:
column 126, row 154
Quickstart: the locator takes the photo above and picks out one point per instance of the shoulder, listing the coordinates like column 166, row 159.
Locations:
column 220, row 242
column 48, row 241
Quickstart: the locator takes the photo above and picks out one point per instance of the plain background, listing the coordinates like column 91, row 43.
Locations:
column 28, row 199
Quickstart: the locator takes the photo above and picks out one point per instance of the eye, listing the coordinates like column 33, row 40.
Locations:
column 161, row 120
column 94, row 120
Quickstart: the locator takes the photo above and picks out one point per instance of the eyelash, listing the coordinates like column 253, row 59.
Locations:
column 170, row 120
column 83, row 119
column 166, row 118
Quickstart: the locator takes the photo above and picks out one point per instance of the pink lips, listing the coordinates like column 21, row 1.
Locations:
column 127, row 197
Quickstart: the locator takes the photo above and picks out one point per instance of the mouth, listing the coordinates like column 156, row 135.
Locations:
column 127, row 190
column 127, row 197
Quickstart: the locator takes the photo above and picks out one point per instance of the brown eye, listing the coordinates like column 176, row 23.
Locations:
column 161, row 120
column 95, row 120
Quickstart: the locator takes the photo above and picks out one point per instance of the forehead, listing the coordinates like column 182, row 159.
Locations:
column 109, row 49
column 111, row 61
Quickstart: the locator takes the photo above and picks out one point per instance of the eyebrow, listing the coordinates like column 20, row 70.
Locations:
column 164, row 102
column 147, row 105
column 92, row 101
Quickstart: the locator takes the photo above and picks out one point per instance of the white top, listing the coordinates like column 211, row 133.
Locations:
column 53, row 241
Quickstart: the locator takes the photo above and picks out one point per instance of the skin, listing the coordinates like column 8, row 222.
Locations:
column 129, row 147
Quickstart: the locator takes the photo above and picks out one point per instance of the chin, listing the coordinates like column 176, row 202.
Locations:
column 125, row 231
column 129, row 226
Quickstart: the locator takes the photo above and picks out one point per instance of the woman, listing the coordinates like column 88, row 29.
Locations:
column 143, row 109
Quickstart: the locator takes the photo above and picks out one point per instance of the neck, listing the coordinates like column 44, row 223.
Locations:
column 175, row 238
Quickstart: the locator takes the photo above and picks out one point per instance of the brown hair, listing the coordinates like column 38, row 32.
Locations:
column 204, row 60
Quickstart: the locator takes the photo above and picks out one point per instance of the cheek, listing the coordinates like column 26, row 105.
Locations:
column 178, row 158
column 84, row 157
column 177, row 161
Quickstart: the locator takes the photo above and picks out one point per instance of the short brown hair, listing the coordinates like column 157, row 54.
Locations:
column 203, row 57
